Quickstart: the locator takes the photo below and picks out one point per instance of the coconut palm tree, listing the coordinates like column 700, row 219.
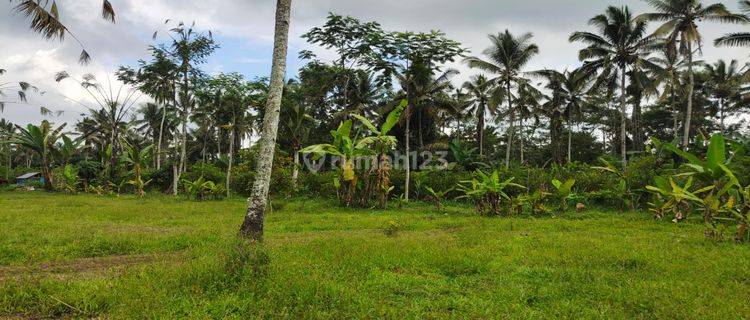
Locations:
column 362, row 95
column 527, row 103
column 553, row 109
column 736, row 38
column 680, row 28
column 666, row 70
column 40, row 140
column 620, row 44
column 506, row 57
column 113, row 106
column 152, row 122
column 641, row 86
column 45, row 20
column 295, row 125
column 252, row 226
column 426, row 93
column 480, row 90
column 7, row 131
column 725, row 81
column 156, row 78
column 569, row 91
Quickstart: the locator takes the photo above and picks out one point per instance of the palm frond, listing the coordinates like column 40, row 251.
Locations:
column 738, row 39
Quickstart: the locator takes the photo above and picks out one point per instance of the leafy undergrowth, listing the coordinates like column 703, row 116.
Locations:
column 158, row 257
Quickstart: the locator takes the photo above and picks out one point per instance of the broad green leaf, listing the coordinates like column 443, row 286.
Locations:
column 568, row 185
column 370, row 126
column 556, row 183
column 393, row 118
column 716, row 152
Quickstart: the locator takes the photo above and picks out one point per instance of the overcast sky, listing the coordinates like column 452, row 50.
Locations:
column 244, row 29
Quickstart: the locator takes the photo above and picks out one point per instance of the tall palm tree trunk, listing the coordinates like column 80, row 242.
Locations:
column 675, row 115
column 623, row 120
column 721, row 115
column 570, row 141
column 175, row 177
column 231, row 159
column 183, row 143
column 480, row 128
column 510, row 126
column 520, row 136
column 419, row 130
column 691, row 83
column 295, row 169
column 252, row 226
column 638, row 138
column 407, row 161
column 161, row 136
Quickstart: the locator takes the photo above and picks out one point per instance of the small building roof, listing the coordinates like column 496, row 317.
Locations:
column 28, row 175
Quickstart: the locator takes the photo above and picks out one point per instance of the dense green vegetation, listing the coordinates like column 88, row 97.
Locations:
column 126, row 257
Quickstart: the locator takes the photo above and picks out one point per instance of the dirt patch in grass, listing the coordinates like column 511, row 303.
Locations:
column 86, row 267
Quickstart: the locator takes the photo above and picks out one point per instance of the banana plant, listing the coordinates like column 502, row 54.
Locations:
column 347, row 149
column 622, row 190
column 713, row 169
column 137, row 157
column 382, row 143
column 487, row 191
column 564, row 191
column 438, row 196
column 675, row 198
column 709, row 168
column 198, row 188
column 739, row 207
column 68, row 148
column 70, row 175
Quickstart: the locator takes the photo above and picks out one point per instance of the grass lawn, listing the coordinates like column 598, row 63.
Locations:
column 88, row 256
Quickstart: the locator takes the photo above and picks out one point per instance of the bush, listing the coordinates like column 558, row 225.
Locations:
column 208, row 171
column 741, row 168
column 89, row 171
column 243, row 174
column 317, row 184
column 160, row 179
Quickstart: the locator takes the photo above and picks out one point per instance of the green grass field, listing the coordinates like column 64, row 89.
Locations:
column 87, row 256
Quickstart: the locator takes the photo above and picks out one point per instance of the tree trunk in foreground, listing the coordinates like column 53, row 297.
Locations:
column 295, row 170
column 252, row 227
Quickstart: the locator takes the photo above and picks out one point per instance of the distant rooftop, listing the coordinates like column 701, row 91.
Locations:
column 28, row 175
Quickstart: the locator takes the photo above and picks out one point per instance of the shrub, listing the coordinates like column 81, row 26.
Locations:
column 488, row 192
column 88, row 171
column 243, row 174
column 317, row 184
column 391, row 228
column 208, row 171
column 160, row 179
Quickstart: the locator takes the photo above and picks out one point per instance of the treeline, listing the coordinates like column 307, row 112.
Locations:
column 640, row 78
